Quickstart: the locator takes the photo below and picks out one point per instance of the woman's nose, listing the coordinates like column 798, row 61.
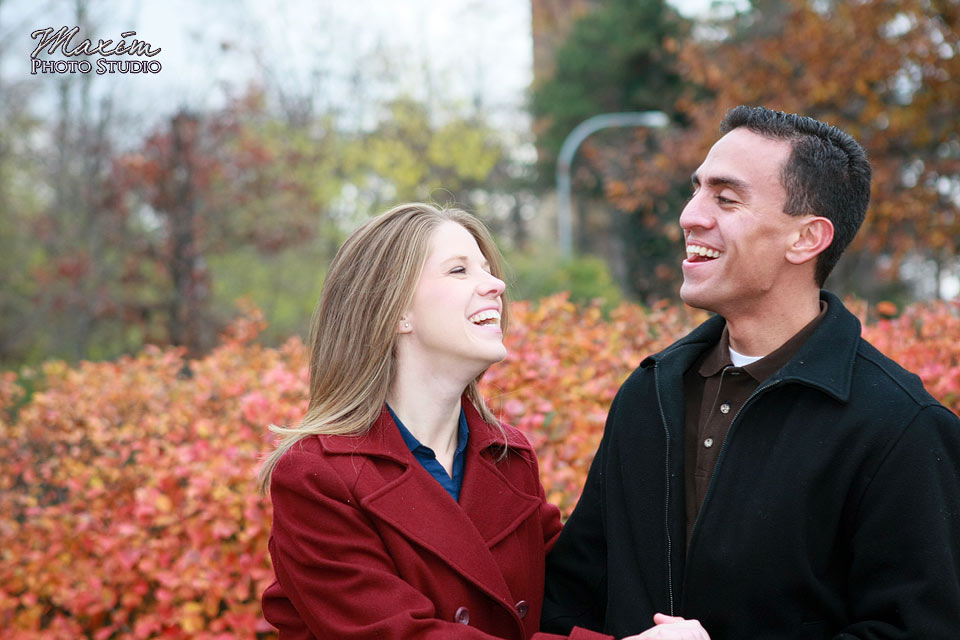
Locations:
column 491, row 286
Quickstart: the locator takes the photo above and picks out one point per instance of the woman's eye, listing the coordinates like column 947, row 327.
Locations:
column 458, row 270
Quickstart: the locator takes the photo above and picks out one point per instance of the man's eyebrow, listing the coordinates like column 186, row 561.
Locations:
column 722, row 181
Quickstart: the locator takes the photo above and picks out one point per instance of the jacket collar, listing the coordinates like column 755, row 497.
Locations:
column 383, row 439
column 824, row 361
column 394, row 488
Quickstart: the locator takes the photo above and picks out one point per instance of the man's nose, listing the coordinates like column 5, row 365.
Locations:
column 695, row 213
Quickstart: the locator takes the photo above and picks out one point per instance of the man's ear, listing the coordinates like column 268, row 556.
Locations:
column 815, row 235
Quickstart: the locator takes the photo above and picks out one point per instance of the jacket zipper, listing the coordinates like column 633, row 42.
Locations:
column 666, row 501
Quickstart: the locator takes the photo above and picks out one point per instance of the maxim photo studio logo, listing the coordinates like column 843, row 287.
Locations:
column 123, row 56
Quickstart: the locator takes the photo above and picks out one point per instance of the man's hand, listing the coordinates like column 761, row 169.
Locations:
column 672, row 628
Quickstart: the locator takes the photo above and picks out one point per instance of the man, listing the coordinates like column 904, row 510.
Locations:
column 771, row 474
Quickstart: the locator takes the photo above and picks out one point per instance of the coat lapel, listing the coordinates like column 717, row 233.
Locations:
column 495, row 505
column 392, row 486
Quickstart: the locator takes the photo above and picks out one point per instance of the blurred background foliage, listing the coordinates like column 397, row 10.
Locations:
column 123, row 224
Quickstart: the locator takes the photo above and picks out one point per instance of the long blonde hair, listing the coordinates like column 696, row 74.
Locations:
column 354, row 330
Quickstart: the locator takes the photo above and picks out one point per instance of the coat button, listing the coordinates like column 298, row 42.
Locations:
column 522, row 608
column 462, row 615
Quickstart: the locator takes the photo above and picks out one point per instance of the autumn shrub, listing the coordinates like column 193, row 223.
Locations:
column 925, row 339
column 128, row 506
column 563, row 367
column 127, row 493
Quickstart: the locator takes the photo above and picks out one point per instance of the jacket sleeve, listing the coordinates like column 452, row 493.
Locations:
column 549, row 518
column 552, row 528
column 334, row 568
column 576, row 576
column 905, row 573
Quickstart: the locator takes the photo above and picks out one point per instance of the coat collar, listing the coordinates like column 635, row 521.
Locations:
column 384, row 440
column 824, row 361
column 392, row 486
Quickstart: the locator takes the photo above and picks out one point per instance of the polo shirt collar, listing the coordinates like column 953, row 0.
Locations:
column 718, row 357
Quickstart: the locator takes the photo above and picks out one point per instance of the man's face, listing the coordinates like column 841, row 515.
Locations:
column 736, row 232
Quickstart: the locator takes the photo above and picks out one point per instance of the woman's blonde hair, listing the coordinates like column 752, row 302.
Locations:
column 354, row 330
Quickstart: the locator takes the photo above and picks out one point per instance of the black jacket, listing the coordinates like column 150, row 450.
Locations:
column 834, row 510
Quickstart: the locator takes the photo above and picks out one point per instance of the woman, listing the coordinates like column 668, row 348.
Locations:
column 402, row 508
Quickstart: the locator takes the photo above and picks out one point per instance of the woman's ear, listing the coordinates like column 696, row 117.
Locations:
column 815, row 235
column 403, row 326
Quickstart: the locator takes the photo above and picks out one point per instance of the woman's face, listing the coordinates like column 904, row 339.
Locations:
column 453, row 323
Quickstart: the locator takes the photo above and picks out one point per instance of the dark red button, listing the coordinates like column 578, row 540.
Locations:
column 522, row 608
column 462, row 615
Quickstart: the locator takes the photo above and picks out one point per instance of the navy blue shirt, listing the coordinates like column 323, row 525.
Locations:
column 428, row 459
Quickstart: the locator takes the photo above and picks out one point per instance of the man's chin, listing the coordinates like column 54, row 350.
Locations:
column 689, row 295
column 694, row 298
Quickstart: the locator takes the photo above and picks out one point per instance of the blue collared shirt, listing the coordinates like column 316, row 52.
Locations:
column 428, row 459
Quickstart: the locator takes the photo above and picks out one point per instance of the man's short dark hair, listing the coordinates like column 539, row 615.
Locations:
column 827, row 173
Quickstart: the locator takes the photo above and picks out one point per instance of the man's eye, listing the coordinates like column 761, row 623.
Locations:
column 722, row 200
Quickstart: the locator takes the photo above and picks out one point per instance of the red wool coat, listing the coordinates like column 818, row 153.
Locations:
column 367, row 545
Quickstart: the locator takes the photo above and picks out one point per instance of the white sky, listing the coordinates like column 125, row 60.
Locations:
column 475, row 52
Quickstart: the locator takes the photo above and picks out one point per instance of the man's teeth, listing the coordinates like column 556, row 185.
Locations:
column 697, row 250
column 484, row 316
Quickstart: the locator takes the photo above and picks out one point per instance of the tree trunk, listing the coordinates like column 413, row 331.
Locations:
column 188, row 271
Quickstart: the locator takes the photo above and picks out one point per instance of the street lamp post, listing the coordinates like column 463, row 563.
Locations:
column 652, row 119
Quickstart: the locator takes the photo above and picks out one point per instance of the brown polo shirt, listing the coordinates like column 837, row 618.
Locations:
column 715, row 390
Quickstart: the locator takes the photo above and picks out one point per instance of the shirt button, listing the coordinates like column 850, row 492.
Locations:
column 462, row 615
column 708, row 443
column 522, row 608
column 725, row 408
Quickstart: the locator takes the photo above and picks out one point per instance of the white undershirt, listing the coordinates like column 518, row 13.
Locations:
column 740, row 360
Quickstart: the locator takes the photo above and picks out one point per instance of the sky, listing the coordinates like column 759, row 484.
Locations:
column 338, row 53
